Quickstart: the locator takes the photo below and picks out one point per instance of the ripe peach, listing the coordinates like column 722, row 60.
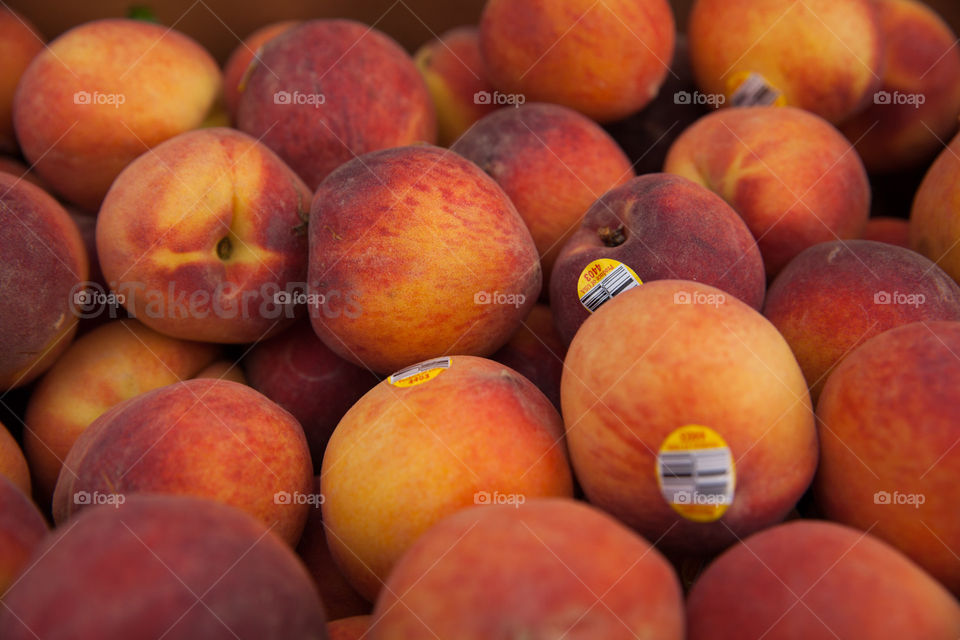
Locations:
column 220, row 235
column 414, row 450
column 19, row 170
column 794, row 179
column 43, row 265
column 20, row 42
column 934, row 223
column 550, row 568
column 209, row 438
column 824, row 56
column 453, row 70
column 675, row 365
column 818, row 581
column 103, row 93
column 552, row 162
column 22, row 529
column 889, row 432
column 890, row 230
column 326, row 91
column 835, row 295
column 536, row 352
column 174, row 567
column 12, row 463
column 606, row 60
column 238, row 64
column 918, row 102
column 112, row 363
column 425, row 223
column 353, row 628
column 223, row 370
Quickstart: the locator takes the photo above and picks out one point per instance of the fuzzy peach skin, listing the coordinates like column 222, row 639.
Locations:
column 536, row 352
column 649, row 225
column 672, row 353
column 43, row 264
column 456, row 78
column 102, row 94
column 22, row 529
column 818, row 581
column 19, row 43
column 824, row 56
column 889, row 424
column 894, row 231
column 200, row 235
column 793, row 178
column 408, row 248
column 239, row 63
column 935, row 216
column 12, row 463
column 606, row 60
column 172, row 567
column 353, row 628
column 550, row 568
column 210, row 438
column 835, row 295
column 552, row 162
column 114, row 362
column 922, row 63
column 326, row 91
column 405, row 457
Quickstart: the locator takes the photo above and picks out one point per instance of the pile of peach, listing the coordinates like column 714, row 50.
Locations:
column 631, row 355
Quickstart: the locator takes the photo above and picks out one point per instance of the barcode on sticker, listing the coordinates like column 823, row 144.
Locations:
column 754, row 92
column 614, row 283
column 685, row 475
column 420, row 367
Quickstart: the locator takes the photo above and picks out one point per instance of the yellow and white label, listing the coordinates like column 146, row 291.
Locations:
column 696, row 473
column 421, row 372
column 603, row 279
column 748, row 89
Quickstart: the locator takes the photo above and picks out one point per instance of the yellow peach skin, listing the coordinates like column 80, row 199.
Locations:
column 237, row 66
column 12, row 463
column 102, row 94
column 935, row 217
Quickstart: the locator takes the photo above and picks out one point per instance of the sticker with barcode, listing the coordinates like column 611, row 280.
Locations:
column 603, row 279
column 752, row 90
column 696, row 473
column 421, row 372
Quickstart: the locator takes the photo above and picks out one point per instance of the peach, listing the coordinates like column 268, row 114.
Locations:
column 418, row 447
column 223, row 370
column 894, row 231
column 22, row 529
column 239, row 62
column 114, row 362
column 416, row 252
column 646, row 225
column 20, row 42
column 536, row 352
column 175, row 567
column 818, row 581
column 606, row 60
column 687, row 416
column 200, row 236
column 552, row 162
column 794, row 179
column 453, row 70
column 103, row 93
column 935, row 216
column 12, row 463
column 298, row 372
column 326, row 91
column 835, row 295
column 824, row 56
column 918, row 102
column 550, row 568
column 208, row 438
column 44, row 264
column 889, row 460
column 19, row 170
column 353, row 628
